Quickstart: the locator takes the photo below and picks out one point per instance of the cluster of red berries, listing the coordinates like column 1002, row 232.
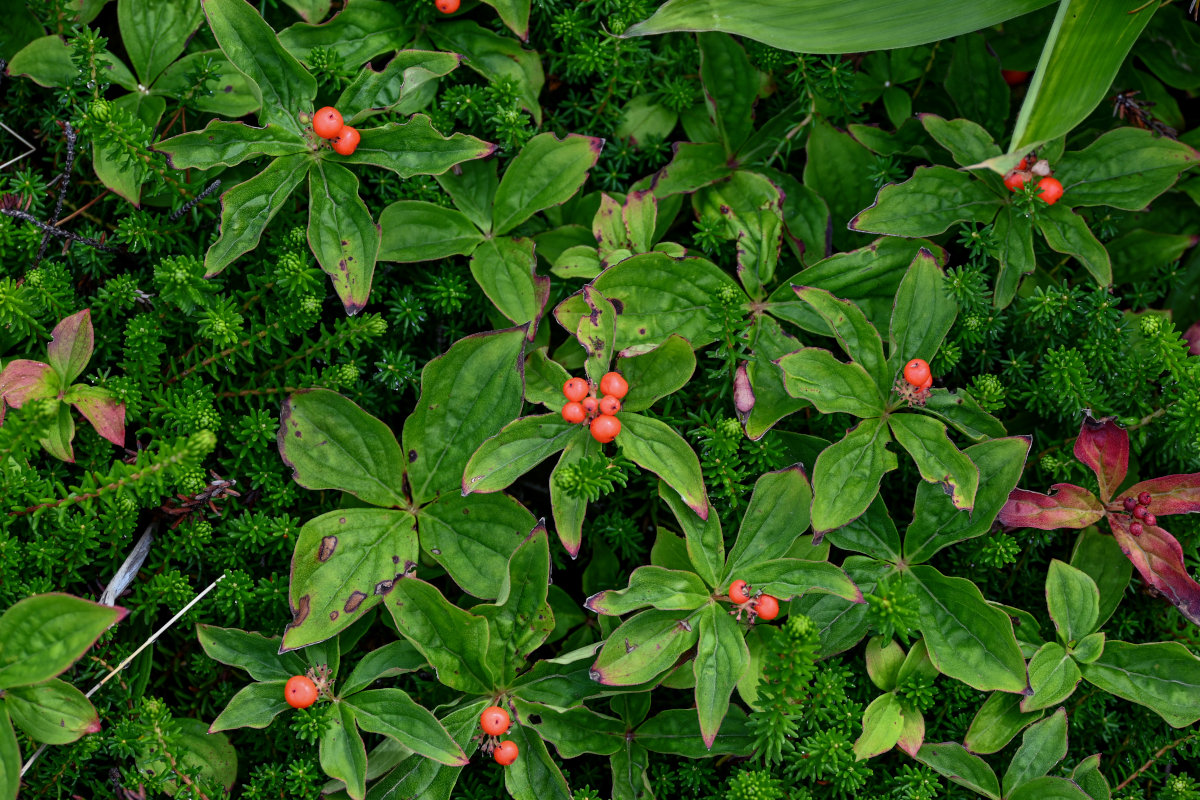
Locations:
column 495, row 723
column 328, row 124
column 1137, row 509
column 915, row 384
column 448, row 7
column 582, row 405
column 1049, row 187
column 757, row 605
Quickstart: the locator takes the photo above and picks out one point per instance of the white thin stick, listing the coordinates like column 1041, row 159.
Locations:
column 132, row 656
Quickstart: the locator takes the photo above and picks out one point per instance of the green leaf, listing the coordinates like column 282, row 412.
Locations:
column 1053, row 677
column 234, row 95
column 342, row 753
column 644, row 120
column 853, row 332
column 467, row 395
column 923, row 314
column 345, row 563
column 208, row 758
column 253, row 652
column 453, row 641
column 1067, row 233
column 495, row 57
column 46, row 61
column 10, row 758
column 1073, row 599
column 1163, row 676
column 654, row 445
column 121, row 175
column 852, row 26
column 630, row 773
column 650, row 586
column 472, row 537
column 759, row 392
column 656, row 373
column 1088, row 649
column 833, row 386
column 310, row 10
column 416, row 776
column 873, row 533
column 1074, row 75
column 676, row 732
column 968, row 640
column 645, row 646
column 938, row 459
column 580, row 730
column 882, row 724
column 596, row 332
column 884, row 658
column 692, row 166
column 788, row 578
column 341, row 233
column 805, row 215
column 730, row 87
column 954, row 762
column 765, row 534
column 414, row 230
column 569, row 511
column 393, row 713
column 937, row 523
column 409, row 70
column 1125, row 168
column 533, row 776
column 998, row 720
column 1043, row 745
column 394, row 658
column 752, row 207
column 705, row 544
column 249, row 207
column 547, row 172
column 43, row 635
column 846, row 475
column 412, row 148
column 1014, row 233
column 1088, row 777
column 53, row 712
column 1100, row 556
column 960, row 411
column 521, row 619
column 228, row 144
column 967, row 141
column 721, row 659
column 1048, row 788
column 358, row 33
column 974, row 82
column 839, row 170
column 928, row 203
column 472, row 186
column 284, row 86
column 517, row 448
column 256, row 705
column 155, row 32
column 506, row 270
column 331, row 443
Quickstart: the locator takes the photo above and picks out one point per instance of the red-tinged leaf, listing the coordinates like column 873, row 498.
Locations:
column 1159, row 558
column 23, row 380
column 1104, row 446
column 1171, row 494
column 102, row 409
column 71, row 348
column 1069, row 507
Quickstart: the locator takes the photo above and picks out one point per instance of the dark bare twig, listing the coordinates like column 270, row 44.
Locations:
column 59, row 232
column 186, row 207
column 64, row 182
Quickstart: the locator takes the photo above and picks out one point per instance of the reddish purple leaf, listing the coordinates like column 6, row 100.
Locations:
column 1104, row 446
column 1159, row 559
column 1070, row 507
column 1171, row 494
column 104, row 411
column 71, row 348
column 23, row 380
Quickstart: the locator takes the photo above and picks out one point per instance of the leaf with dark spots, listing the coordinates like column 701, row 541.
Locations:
column 354, row 601
column 1104, row 446
column 299, row 612
column 328, row 546
column 1069, row 507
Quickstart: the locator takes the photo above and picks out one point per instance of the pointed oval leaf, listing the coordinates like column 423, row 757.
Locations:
column 998, row 720
column 813, row 374
column 705, row 544
column 765, row 533
column 923, row 312
column 1158, row 556
column 721, row 659
column 1066, row 232
column 228, row 144
column 1073, row 600
column 1163, row 676
column 676, row 732
column 874, row 533
column 1170, row 494
column 654, row 374
column 938, row 459
column 249, row 207
column 1053, row 677
column 506, row 270
column 1126, row 168
column 927, row 204
column 787, row 578
column 253, row 652
column 256, row 705
column 394, row 658
column 849, row 325
column 650, row 586
column 1043, row 745
column 413, row 148
column 534, row 776
column 1069, row 507
column 101, row 408
column 473, row 537
column 953, row 761
column 453, row 641
column 846, row 475
column 43, row 635
column 882, row 725
column 597, row 332
column 394, row 714
column 645, row 646
column 968, row 141
column 517, row 448
column 342, row 754
column 414, row 230
column 53, row 712
column 382, row 90
column 961, row 412
column 71, row 348
column 547, row 172
column 654, row 445
column 10, row 755
column 570, row 510
column 1049, row 788
column 341, row 233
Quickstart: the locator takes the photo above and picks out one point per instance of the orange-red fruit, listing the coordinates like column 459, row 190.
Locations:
column 927, row 383
column 767, row 607
column 609, row 405
column 739, row 591
column 605, row 428
column 1051, row 190
column 507, row 752
column 300, row 691
column 1014, row 77
column 449, row 7
column 590, row 404
column 916, row 371
column 495, row 721
column 575, row 389
column 574, row 412
column 1015, row 180
column 327, row 123
column 612, row 383
column 346, row 141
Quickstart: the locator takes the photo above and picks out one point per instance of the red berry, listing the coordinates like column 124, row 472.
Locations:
column 927, row 384
column 1136, row 528
column 1130, row 503
column 1023, row 164
column 574, row 413
column 590, row 404
column 609, row 405
column 1050, row 189
column 605, row 428
column 449, row 7
column 1144, row 498
column 327, row 123
column 613, row 384
column 1139, row 512
column 300, row 691
column 1016, row 179
column 916, row 371
column 346, row 141
column 766, row 607
column 1014, row 77
column 575, row 389
column 495, row 721
column 739, row 591
column 507, row 752
column 1151, row 520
